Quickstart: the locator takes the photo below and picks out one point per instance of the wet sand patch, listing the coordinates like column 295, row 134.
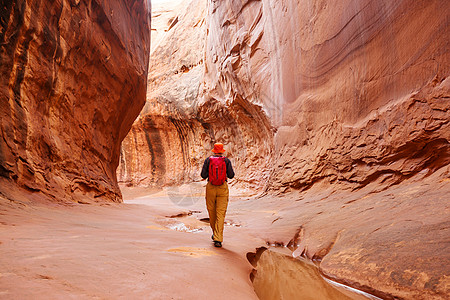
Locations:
column 192, row 251
column 156, row 227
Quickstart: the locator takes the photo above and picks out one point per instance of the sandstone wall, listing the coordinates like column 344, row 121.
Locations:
column 355, row 89
column 299, row 92
column 73, row 81
column 183, row 117
column 160, row 148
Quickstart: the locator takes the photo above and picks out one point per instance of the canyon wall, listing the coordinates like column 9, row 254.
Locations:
column 184, row 117
column 342, row 92
column 74, row 78
column 355, row 89
column 156, row 151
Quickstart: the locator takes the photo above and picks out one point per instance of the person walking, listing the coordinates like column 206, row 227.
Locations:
column 217, row 169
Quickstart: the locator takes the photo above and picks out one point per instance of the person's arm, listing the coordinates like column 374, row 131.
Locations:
column 205, row 168
column 230, row 172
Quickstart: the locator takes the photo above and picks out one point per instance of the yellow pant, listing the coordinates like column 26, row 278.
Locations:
column 216, row 203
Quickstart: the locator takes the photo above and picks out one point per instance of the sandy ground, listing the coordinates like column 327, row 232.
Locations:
column 156, row 245
column 119, row 251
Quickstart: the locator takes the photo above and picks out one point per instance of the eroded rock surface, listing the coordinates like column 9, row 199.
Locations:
column 182, row 119
column 351, row 97
column 333, row 107
column 73, row 81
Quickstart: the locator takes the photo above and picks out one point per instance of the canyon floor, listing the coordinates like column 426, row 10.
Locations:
column 389, row 241
column 156, row 245
column 117, row 251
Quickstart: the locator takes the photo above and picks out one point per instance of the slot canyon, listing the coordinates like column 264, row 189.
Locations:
column 334, row 115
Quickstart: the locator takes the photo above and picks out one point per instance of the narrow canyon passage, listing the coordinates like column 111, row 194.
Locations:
column 334, row 116
column 336, row 124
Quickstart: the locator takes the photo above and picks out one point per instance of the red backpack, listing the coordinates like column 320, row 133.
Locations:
column 217, row 170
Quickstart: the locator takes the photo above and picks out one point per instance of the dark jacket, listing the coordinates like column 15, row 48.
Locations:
column 205, row 169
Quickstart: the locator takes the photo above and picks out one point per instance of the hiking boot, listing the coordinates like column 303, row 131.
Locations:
column 217, row 244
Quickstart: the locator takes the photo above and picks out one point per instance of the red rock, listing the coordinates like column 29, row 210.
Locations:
column 182, row 119
column 73, row 81
column 336, row 112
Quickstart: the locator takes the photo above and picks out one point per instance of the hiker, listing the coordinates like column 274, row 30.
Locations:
column 217, row 168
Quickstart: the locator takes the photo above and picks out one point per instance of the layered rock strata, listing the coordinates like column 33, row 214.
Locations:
column 74, row 78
